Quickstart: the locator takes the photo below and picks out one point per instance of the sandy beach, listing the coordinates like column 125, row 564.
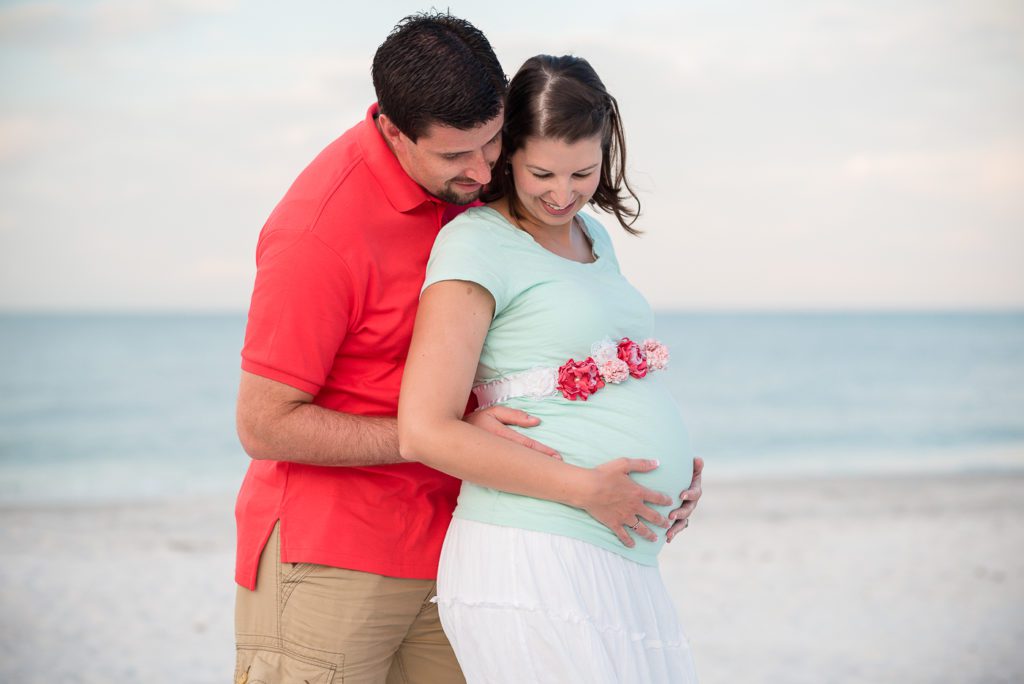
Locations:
column 844, row 580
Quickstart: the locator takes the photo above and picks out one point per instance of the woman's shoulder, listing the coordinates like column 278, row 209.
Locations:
column 478, row 235
column 594, row 227
column 598, row 233
column 477, row 223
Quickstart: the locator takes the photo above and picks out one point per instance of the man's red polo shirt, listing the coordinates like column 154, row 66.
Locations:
column 340, row 264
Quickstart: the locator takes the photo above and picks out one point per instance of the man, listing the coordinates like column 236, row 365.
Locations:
column 338, row 536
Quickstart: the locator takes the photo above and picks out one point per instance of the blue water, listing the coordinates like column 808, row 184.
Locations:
column 123, row 407
column 852, row 392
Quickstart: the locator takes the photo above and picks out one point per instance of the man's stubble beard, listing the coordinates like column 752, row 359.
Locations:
column 451, row 197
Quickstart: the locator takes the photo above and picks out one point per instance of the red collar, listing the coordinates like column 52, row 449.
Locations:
column 403, row 193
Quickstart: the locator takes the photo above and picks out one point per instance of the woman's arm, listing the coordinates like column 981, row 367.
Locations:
column 452, row 322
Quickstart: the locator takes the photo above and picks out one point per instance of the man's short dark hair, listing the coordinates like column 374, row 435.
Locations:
column 436, row 68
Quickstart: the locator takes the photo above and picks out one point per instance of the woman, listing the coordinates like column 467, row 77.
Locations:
column 549, row 569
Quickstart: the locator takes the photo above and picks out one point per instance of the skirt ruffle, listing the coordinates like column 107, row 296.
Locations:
column 523, row 606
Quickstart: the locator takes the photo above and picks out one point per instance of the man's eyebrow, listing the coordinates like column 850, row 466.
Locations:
column 456, row 153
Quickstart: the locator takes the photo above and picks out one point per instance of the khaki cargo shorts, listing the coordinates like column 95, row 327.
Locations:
column 313, row 624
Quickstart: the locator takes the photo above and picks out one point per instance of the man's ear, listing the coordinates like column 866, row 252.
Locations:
column 389, row 130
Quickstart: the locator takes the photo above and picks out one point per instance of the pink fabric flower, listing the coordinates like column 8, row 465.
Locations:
column 633, row 355
column 578, row 380
column 657, row 354
column 614, row 370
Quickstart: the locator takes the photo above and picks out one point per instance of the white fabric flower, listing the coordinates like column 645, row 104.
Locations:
column 604, row 351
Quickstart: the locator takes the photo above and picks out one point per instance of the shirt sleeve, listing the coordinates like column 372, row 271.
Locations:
column 301, row 307
column 467, row 249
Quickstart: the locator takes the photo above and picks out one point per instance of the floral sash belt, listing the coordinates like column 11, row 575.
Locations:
column 609, row 362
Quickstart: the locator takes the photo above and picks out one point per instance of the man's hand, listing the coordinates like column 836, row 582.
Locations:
column 496, row 420
column 689, row 497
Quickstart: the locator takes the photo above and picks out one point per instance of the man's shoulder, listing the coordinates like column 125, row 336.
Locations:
column 338, row 173
column 332, row 169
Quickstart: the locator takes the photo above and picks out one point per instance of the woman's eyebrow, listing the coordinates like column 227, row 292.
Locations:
column 533, row 167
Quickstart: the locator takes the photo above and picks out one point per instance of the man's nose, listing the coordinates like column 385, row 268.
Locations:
column 479, row 169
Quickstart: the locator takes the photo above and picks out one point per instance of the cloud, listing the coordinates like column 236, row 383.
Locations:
column 40, row 24
column 994, row 171
column 34, row 23
column 212, row 269
column 787, row 153
column 21, row 137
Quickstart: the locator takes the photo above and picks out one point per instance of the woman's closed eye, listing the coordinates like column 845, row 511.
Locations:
column 548, row 175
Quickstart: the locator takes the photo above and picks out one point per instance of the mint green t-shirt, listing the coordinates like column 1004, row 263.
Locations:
column 549, row 309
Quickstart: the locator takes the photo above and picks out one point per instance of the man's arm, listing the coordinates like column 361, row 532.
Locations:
column 280, row 423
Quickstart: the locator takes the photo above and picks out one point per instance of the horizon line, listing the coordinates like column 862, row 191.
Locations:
column 717, row 310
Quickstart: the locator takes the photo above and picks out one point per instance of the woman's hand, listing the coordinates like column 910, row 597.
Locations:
column 618, row 502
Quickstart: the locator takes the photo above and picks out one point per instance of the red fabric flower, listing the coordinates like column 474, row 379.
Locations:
column 634, row 356
column 578, row 380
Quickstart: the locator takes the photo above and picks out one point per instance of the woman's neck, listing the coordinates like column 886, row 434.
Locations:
column 567, row 240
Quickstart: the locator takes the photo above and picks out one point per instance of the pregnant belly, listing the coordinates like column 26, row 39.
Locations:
column 637, row 419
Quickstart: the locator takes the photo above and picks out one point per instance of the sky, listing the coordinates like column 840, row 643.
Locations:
column 788, row 155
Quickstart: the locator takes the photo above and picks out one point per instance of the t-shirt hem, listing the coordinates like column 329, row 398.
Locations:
column 259, row 369
column 247, row 576
column 544, row 525
column 306, row 554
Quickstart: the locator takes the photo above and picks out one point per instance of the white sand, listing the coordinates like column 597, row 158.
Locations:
column 868, row 580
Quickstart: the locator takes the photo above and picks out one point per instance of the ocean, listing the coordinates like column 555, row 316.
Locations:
column 99, row 408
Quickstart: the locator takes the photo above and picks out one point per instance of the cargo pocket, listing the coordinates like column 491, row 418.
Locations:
column 261, row 666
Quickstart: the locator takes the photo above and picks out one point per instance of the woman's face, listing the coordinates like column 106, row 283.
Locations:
column 554, row 179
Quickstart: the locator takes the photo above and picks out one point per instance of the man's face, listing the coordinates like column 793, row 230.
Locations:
column 450, row 163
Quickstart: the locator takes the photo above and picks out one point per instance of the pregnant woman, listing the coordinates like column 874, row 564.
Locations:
column 549, row 571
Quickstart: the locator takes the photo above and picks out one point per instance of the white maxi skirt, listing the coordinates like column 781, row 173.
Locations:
column 520, row 606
